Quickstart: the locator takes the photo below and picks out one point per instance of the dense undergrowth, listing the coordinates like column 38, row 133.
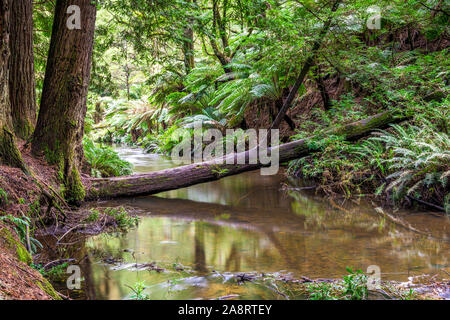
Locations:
column 104, row 161
column 409, row 161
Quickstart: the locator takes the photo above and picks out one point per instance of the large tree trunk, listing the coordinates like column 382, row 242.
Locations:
column 60, row 123
column 9, row 154
column 170, row 179
column 21, row 69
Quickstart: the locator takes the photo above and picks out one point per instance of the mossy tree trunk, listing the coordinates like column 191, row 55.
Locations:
column 9, row 153
column 60, row 124
column 22, row 82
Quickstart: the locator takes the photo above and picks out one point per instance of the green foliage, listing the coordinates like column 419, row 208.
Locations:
column 43, row 21
column 123, row 220
column 405, row 161
column 352, row 287
column 104, row 161
column 93, row 217
column 3, row 197
column 139, row 291
column 55, row 273
column 165, row 142
column 321, row 291
column 209, row 117
column 333, row 167
column 416, row 158
column 355, row 285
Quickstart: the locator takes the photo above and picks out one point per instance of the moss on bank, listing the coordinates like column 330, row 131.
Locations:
column 14, row 246
column 45, row 285
column 22, row 281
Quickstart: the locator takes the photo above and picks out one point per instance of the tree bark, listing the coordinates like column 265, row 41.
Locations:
column 323, row 89
column 185, row 176
column 289, row 121
column 60, row 124
column 306, row 67
column 188, row 46
column 9, row 153
column 21, row 69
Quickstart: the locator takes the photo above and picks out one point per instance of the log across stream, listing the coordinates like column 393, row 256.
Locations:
column 181, row 177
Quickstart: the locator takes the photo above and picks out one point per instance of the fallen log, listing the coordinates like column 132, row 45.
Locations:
column 185, row 176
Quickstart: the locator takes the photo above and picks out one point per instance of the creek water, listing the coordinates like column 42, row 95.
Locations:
column 249, row 223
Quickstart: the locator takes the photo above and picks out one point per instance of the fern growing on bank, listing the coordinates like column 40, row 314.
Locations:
column 417, row 161
column 404, row 162
column 104, row 161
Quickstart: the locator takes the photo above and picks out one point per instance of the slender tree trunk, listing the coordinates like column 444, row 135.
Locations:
column 188, row 49
column 98, row 116
column 126, row 68
column 9, row 153
column 21, row 69
column 323, row 89
column 306, row 67
column 60, row 124
column 176, row 178
column 289, row 121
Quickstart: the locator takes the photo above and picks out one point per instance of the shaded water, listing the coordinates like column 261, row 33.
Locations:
column 250, row 223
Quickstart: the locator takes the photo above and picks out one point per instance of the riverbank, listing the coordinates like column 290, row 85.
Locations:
column 31, row 205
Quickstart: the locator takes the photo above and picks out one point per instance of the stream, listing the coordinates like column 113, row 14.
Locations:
column 203, row 235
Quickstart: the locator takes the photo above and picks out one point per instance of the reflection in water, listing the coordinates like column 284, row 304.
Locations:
column 247, row 223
